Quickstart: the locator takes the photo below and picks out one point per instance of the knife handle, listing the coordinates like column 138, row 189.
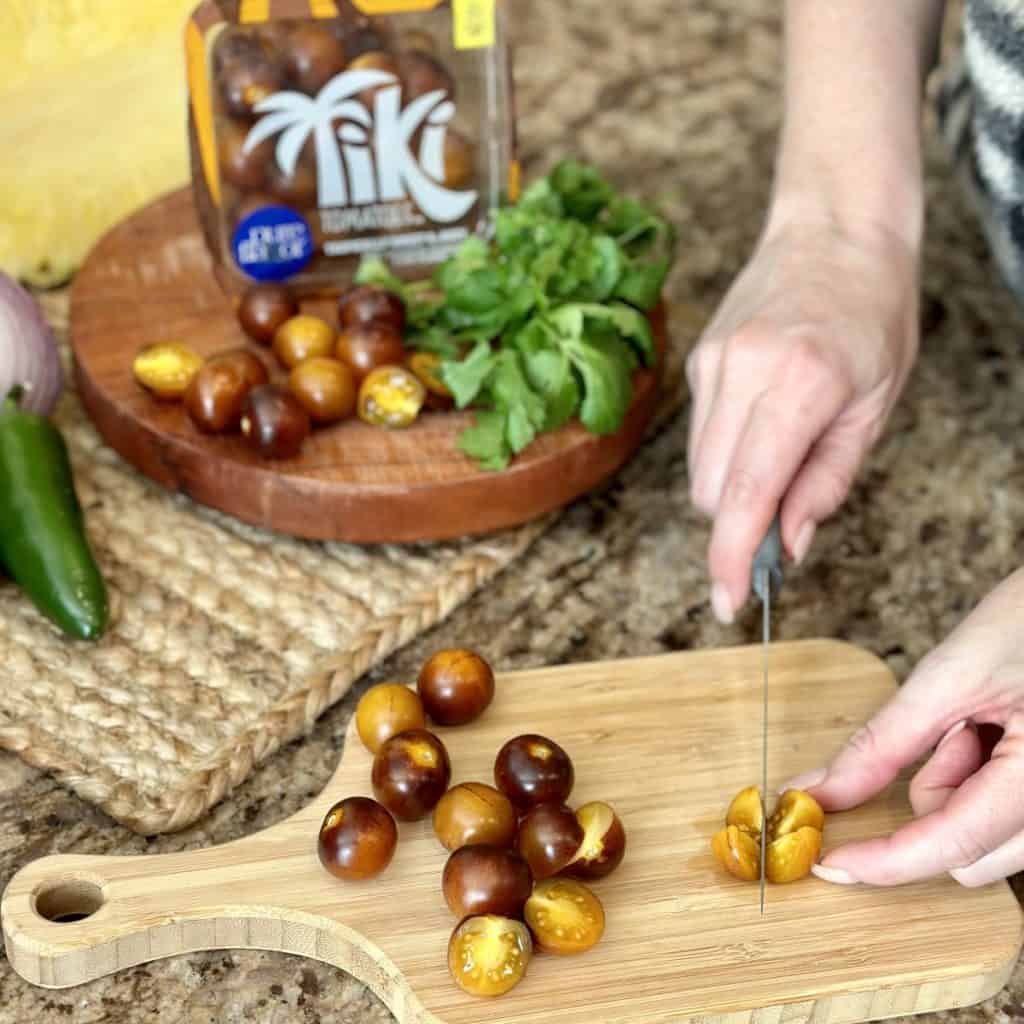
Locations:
column 768, row 561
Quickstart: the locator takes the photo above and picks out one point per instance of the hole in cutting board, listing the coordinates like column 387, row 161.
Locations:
column 68, row 901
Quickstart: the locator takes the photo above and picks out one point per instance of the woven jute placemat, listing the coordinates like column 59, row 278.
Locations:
column 226, row 641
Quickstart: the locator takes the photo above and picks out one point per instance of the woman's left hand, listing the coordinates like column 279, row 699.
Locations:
column 969, row 803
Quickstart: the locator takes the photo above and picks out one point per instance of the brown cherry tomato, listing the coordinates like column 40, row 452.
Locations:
column 264, row 308
column 422, row 73
column 370, row 304
column 792, row 844
column 414, row 40
column 488, row 955
column 302, row 337
column 564, row 916
column 166, row 368
column 296, row 189
column 373, row 61
column 216, row 393
column 325, row 387
column 274, row 422
column 473, row 813
column 459, row 160
column 386, row 710
column 486, row 880
column 357, row 839
column 603, row 845
column 426, row 366
column 314, row 55
column 456, row 686
column 390, row 397
column 411, row 771
column 248, row 80
column 532, row 770
column 367, row 346
column 549, row 837
column 246, row 169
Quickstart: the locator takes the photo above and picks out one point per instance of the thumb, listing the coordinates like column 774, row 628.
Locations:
column 911, row 723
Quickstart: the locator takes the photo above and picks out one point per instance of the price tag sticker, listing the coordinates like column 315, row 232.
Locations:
column 474, row 23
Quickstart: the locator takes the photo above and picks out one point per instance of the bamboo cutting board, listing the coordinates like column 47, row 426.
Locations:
column 667, row 740
column 151, row 279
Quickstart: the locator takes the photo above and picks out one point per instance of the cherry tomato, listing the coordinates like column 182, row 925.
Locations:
column 488, row 954
column 357, row 838
column 386, row 710
column 456, row 686
column 391, row 397
column 325, row 387
column 411, row 771
column 473, row 812
column 532, row 769
column 564, row 916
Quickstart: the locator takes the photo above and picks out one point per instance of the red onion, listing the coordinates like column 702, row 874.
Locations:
column 28, row 350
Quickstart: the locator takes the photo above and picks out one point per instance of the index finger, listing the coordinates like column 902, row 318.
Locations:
column 782, row 428
column 985, row 812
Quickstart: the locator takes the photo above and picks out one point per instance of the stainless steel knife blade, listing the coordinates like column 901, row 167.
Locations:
column 767, row 575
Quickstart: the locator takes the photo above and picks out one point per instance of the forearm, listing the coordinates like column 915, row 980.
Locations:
column 850, row 147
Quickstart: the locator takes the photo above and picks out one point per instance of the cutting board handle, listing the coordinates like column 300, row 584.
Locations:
column 71, row 919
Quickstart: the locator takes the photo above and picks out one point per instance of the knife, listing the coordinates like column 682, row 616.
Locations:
column 767, row 575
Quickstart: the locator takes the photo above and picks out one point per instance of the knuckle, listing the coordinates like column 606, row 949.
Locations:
column 743, row 488
column 960, row 849
column 864, row 742
column 833, row 484
column 701, row 361
column 744, row 345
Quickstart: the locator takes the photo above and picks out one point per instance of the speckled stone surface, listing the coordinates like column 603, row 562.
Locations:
column 677, row 99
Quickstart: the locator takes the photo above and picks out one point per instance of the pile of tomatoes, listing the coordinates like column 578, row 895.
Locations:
column 519, row 856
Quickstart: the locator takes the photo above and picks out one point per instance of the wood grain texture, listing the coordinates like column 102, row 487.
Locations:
column 668, row 740
column 151, row 279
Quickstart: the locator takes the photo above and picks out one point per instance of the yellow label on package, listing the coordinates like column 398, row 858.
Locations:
column 474, row 23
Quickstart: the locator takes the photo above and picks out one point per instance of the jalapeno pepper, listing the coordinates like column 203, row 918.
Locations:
column 43, row 545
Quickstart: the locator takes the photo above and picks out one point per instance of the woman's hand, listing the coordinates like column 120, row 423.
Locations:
column 792, row 383
column 969, row 804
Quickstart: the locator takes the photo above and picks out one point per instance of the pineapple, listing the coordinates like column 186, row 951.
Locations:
column 94, row 124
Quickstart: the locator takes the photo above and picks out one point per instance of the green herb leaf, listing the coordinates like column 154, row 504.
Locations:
column 607, row 384
column 551, row 375
column 376, row 271
column 583, row 190
column 465, row 378
column 527, row 411
column 641, row 285
column 485, row 440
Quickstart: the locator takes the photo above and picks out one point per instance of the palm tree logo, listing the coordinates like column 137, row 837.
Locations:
column 297, row 117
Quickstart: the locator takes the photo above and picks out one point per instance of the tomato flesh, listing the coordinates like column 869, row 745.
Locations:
column 488, row 955
column 564, row 916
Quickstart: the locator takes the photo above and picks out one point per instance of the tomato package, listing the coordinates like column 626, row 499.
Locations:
column 325, row 131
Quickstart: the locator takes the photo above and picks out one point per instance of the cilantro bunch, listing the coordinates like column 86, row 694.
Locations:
column 549, row 319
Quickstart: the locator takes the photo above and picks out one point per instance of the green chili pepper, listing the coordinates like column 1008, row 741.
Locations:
column 43, row 545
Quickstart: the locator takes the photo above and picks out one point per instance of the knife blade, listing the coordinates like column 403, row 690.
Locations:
column 767, row 575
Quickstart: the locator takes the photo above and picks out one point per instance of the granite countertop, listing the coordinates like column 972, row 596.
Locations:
column 678, row 100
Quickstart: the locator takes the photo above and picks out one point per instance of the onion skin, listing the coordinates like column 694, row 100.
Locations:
column 29, row 358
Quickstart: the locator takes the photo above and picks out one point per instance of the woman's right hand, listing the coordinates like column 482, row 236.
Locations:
column 792, row 382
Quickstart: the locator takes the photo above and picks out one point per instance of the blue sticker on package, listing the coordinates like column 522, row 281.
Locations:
column 272, row 244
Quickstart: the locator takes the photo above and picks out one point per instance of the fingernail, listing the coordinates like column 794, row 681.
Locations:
column 721, row 605
column 951, row 732
column 806, row 781
column 836, row 875
column 802, row 544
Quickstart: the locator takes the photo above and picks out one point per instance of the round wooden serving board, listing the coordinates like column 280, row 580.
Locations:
column 151, row 279
column 667, row 741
